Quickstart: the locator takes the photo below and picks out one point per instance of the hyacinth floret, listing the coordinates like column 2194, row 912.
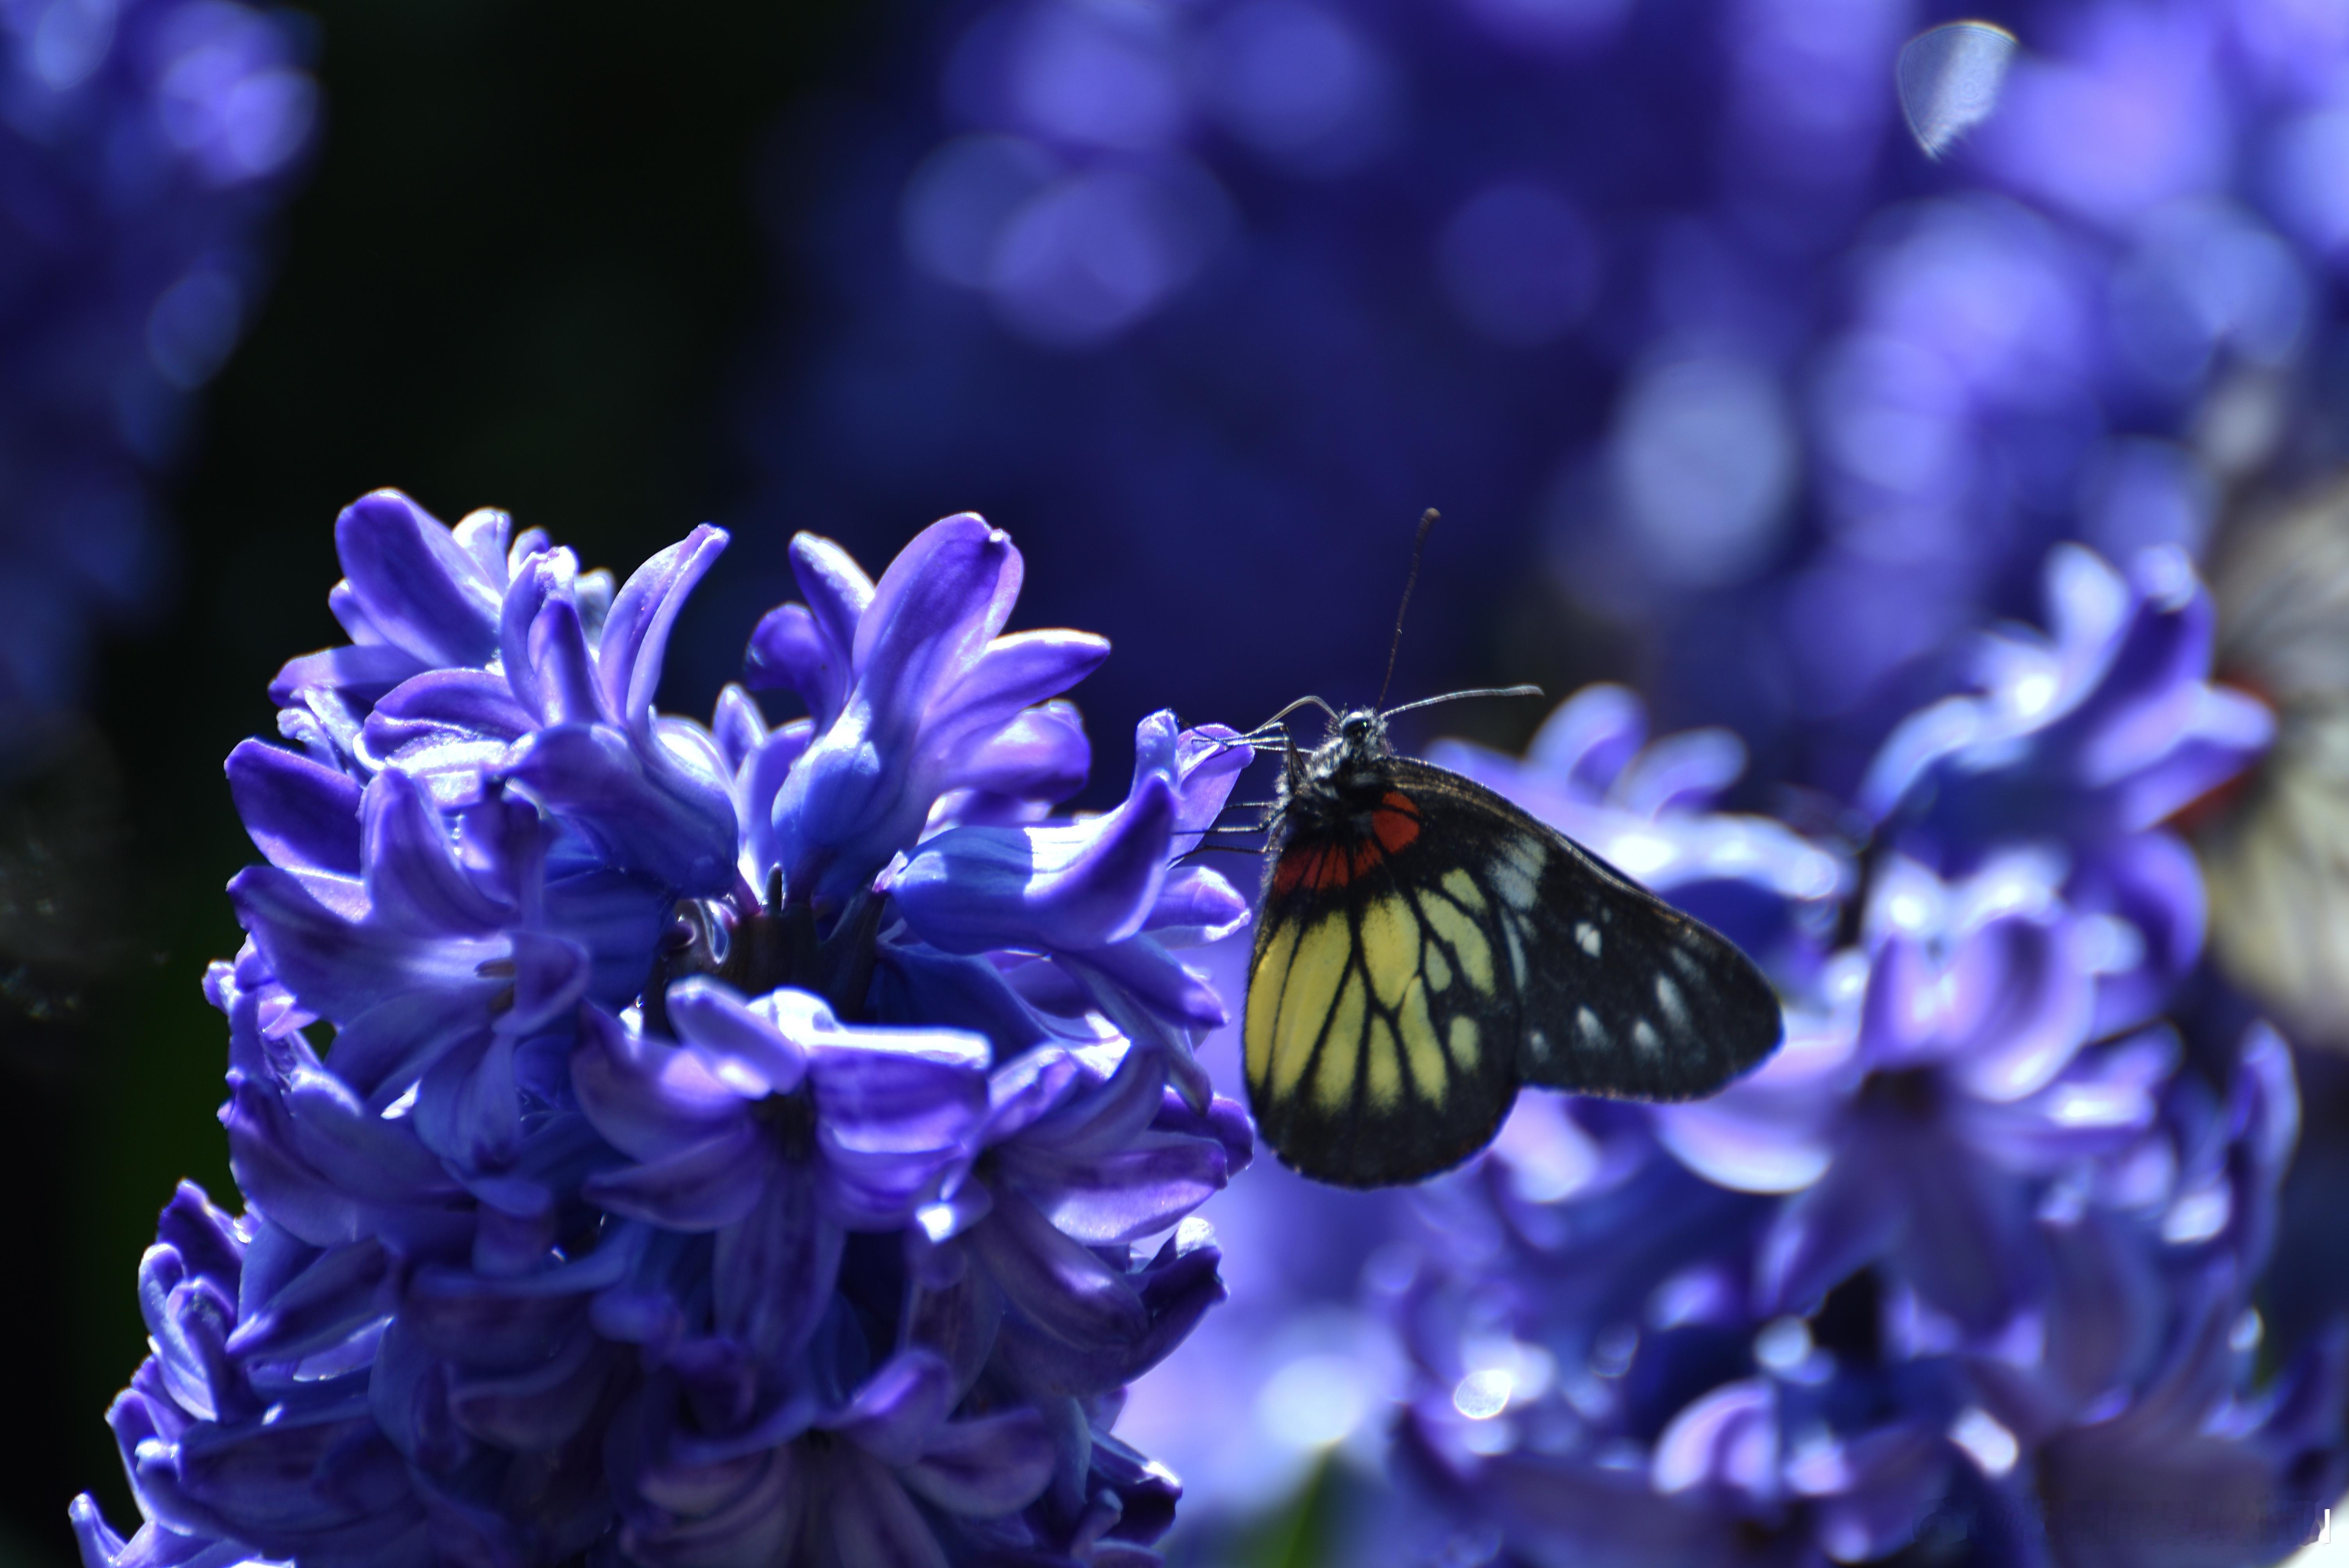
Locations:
column 747, row 1143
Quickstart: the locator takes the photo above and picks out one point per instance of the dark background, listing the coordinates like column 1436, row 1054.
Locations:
column 523, row 270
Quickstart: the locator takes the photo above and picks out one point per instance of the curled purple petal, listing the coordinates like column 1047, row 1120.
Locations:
column 971, row 889
column 419, row 589
column 945, row 595
column 301, row 816
column 637, row 629
column 657, row 820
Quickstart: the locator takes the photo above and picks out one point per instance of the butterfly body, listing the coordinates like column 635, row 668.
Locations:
column 1425, row 947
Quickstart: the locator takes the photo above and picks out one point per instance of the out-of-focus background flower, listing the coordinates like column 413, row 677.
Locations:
column 1740, row 380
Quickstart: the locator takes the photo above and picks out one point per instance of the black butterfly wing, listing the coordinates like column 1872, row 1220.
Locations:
column 1621, row 994
column 1394, row 1009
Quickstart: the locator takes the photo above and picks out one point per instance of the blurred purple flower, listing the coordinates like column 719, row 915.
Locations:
column 145, row 145
column 670, row 1188
column 2102, row 731
column 1969, row 1266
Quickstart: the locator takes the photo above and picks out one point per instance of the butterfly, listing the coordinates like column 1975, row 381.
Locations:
column 1425, row 947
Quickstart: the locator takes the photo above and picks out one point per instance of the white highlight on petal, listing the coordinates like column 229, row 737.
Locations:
column 1484, row 1394
column 1783, row 1344
column 1950, row 79
column 1638, row 855
column 1991, row 1445
column 2198, row 1215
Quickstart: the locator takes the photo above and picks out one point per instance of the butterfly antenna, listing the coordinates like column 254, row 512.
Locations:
column 1456, row 695
column 1270, row 725
column 1419, row 541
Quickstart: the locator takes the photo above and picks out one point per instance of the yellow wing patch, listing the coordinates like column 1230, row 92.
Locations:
column 1464, row 1039
column 1341, row 1045
column 1463, row 935
column 1385, row 1064
column 1390, row 947
column 1323, row 956
column 1428, row 1070
column 1463, row 889
column 1267, row 981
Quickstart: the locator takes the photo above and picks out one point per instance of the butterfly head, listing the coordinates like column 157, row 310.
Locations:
column 1357, row 739
column 1348, row 768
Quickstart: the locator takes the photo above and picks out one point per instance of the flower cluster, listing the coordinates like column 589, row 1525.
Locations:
column 684, row 1144
column 1969, row 1266
column 143, row 144
column 1672, row 302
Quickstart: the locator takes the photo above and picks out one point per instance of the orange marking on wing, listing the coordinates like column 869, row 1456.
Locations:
column 1335, row 865
column 1396, row 821
column 1288, row 870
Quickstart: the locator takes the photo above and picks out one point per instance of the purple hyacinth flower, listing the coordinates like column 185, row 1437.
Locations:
column 1100, row 897
column 440, row 983
column 1594, row 1376
column 2091, row 739
column 859, row 1482
column 2105, row 728
column 1083, row 1155
column 776, row 1131
column 237, row 1457
column 1939, row 1076
column 911, row 688
column 602, row 1214
column 1602, row 1375
column 479, row 656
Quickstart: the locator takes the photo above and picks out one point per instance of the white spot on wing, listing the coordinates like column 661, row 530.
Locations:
column 1644, row 1036
column 1516, row 950
column 1668, row 997
column 1539, row 1041
column 1518, row 874
column 1515, row 888
column 1586, row 936
column 1587, row 1025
